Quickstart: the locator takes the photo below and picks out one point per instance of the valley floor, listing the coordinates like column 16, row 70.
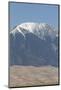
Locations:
column 31, row 75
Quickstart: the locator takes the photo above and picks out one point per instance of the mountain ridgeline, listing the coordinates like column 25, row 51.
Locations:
column 34, row 44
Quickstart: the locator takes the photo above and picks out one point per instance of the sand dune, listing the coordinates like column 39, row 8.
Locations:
column 31, row 75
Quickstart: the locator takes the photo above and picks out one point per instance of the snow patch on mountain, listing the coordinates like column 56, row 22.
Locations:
column 39, row 29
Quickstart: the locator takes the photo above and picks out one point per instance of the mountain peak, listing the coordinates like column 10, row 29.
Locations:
column 39, row 29
column 33, row 26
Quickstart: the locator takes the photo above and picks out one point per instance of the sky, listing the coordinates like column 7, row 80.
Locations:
column 26, row 12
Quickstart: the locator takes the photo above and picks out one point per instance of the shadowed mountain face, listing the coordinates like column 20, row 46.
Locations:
column 34, row 46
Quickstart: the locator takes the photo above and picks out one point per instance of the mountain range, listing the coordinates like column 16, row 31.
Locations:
column 33, row 44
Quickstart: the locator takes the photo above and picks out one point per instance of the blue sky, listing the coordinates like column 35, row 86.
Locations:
column 22, row 12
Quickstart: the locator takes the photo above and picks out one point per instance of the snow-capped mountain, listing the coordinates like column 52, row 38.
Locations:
column 34, row 44
column 39, row 29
